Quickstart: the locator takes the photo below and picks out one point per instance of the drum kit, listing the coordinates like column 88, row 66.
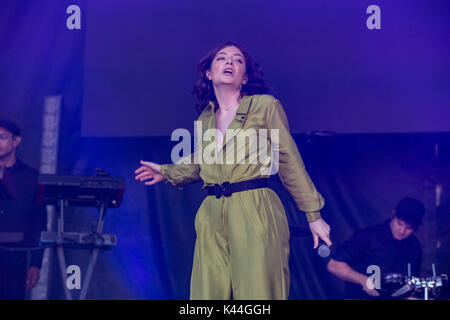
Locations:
column 434, row 287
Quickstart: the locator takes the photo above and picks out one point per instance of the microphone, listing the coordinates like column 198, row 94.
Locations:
column 324, row 250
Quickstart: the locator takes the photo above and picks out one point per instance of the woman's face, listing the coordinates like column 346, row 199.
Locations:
column 228, row 68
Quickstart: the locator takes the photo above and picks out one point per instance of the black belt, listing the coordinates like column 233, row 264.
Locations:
column 227, row 189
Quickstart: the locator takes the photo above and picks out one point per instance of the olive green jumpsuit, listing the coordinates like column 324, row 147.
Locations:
column 242, row 246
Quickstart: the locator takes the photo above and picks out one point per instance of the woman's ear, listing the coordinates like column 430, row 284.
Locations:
column 208, row 75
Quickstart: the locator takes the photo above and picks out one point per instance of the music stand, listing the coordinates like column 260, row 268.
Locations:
column 102, row 192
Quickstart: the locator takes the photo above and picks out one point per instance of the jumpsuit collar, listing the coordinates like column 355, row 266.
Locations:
column 241, row 113
column 238, row 122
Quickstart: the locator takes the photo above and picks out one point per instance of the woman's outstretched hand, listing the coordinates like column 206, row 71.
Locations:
column 320, row 229
column 149, row 172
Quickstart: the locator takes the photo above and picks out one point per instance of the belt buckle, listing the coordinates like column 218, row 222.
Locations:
column 223, row 189
column 226, row 189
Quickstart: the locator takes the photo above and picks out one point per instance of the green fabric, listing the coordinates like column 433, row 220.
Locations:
column 243, row 241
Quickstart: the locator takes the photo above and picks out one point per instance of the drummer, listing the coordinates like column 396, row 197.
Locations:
column 389, row 246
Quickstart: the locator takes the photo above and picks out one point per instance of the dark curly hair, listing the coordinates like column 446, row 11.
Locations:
column 204, row 91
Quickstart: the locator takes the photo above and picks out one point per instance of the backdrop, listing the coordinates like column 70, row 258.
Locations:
column 131, row 67
column 328, row 69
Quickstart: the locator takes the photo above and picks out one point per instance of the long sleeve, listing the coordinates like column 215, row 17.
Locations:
column 181, row 173
column 291, row 168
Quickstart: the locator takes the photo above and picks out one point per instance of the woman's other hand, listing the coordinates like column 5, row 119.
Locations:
column 149, row 172
column 320, row 229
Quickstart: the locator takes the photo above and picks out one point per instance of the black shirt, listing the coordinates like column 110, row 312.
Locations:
column 377, row 246
column 18, row 208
